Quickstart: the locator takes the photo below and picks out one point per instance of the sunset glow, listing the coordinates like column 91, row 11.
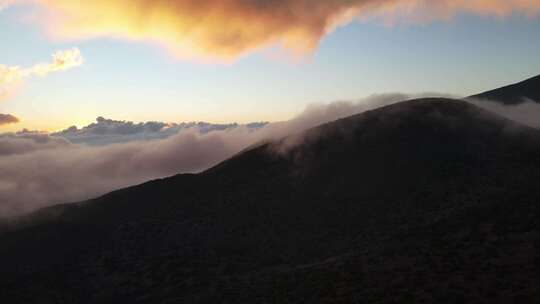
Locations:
column 192, row 54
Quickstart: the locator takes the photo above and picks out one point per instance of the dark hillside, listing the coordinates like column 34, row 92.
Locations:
column 430, row 200
column 516, row 93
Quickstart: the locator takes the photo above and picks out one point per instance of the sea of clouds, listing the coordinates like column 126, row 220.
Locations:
column 39, row 169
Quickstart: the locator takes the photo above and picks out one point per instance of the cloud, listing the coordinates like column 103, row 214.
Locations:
column 11, row 76
column 226, row 30
column 107, row 131
column 527, row 112
column 6, row 119
column 37, row 170
column 28, row 141
column 62, row 60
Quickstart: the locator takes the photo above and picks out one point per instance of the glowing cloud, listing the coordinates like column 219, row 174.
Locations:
column 62, row 60
column 9, row 79
column 9, row 74
column 228, row 29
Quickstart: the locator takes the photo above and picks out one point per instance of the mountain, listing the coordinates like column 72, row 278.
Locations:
column 424, row 201
column 514, row 94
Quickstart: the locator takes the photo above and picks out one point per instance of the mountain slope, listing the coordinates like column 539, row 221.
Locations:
column 430, row 200
column 516, row 93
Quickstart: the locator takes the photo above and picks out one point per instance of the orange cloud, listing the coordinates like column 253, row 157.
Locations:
column 62, row 60
column 212, row 29
column 228, row 29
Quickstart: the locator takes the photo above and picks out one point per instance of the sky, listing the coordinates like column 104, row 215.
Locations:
column 228, row 61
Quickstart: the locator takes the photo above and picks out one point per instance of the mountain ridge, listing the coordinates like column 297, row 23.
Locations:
column 517, row 93
column 402, row 203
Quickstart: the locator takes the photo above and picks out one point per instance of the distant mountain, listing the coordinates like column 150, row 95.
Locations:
column 515, row 93
column 424, row 201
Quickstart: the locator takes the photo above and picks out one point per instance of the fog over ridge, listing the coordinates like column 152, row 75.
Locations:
column 39, row 169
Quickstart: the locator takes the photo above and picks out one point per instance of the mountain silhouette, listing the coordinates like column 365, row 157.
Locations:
column 515, row 93
column 429, row 200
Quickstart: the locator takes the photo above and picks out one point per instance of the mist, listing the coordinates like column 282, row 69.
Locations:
column 39, row 170
column 527, row 112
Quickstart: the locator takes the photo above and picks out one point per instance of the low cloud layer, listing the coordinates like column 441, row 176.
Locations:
column 6, row 119
column 527, row 112
column 25, row 141
column 225, row 30
column 107, row 131
column 38, row 170
column 10, row 76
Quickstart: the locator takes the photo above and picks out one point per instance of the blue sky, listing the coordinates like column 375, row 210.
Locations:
column 139, row 81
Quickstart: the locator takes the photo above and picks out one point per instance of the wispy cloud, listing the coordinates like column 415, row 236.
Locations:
column 10, row 76
column 61, row 60
column 226, row 30
column 527, row 112
column 10, row 79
